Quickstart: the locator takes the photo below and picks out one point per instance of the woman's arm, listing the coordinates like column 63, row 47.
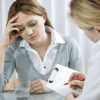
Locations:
column 2, row 56
column 7, row 64
column 75, row 56
column 7, row 40
column 91, row 89
column 6, row 60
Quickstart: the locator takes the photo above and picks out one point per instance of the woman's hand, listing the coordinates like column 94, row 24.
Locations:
column 8, row 38
column 71, row 96
column 74, row 82
column 38, row 86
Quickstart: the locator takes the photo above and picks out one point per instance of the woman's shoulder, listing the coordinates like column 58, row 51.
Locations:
column 14, row 45
column 68, row 39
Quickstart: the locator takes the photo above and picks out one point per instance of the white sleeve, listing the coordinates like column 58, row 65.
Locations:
column 91, row 90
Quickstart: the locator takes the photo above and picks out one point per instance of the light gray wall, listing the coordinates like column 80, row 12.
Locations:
column 0, row 20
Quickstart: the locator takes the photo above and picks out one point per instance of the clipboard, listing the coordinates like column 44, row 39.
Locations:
column 52, row 75
column 60, row 75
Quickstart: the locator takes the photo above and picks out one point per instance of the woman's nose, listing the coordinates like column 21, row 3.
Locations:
column 29, row 31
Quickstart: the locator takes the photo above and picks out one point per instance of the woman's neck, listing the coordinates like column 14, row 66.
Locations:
column 44, row 44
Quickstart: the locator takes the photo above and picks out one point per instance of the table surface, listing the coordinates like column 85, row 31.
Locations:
column 47, row 96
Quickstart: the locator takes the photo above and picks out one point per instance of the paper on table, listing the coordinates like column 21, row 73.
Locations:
column 61, row 78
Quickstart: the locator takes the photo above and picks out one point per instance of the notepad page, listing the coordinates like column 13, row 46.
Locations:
column 60, row 78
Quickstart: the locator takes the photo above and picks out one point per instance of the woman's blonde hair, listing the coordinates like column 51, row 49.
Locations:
column 29, row 7
column 85, row 13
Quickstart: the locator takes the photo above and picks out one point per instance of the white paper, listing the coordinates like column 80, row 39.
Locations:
column 61, row 78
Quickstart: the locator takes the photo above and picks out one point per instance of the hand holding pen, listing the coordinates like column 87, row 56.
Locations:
column 76, row 80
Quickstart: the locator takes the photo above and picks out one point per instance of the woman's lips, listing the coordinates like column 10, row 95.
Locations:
column 33, row 37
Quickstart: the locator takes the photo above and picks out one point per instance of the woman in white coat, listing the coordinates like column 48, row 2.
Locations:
column 86, row 13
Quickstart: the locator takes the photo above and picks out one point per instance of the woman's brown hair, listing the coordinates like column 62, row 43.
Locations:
column 30, row 7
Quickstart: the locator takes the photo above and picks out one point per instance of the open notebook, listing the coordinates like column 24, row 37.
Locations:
column 60, row 76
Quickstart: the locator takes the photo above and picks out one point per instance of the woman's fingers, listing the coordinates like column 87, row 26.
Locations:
column 12, row 29
column 12, row 20
column 71, row 77
column 38, row 92
column 13, row 25
column 37, row 86
column 11, row 32
column 75, row 95
column 76, row 75
column 73, row 87
column 34, row 82
column 69, row 96
column 36, row 89
column 34, row 86
column 15, row 36
column 76, row 83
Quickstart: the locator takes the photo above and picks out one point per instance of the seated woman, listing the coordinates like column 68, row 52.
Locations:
column 32, row 47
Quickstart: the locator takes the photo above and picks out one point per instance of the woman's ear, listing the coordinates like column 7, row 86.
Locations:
column 97, row 29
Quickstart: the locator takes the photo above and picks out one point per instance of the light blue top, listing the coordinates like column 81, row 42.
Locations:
column 68, row 54
column 44, row 65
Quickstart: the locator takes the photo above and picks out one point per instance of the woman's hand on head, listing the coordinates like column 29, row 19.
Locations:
column 38, row 87
column 71, row 96
column 8, row 38
column 74, row 82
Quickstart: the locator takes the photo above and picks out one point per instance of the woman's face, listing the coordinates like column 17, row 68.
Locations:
column 93, row 34
column 32, row 28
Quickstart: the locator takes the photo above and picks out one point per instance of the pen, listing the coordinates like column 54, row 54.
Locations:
column 81, row 79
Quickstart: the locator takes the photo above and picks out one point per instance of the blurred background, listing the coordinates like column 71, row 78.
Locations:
column 57, row 11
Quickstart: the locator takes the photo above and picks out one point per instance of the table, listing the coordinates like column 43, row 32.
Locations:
column 46, row 96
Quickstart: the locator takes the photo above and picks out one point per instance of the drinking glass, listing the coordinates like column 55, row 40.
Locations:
column 22, row 90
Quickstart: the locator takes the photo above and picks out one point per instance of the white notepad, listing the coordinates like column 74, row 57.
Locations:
column 60, row 76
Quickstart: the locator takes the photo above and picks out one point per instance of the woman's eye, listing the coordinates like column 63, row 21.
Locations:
column 33, row 24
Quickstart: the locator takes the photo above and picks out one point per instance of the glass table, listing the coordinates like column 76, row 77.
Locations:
column 46, row 96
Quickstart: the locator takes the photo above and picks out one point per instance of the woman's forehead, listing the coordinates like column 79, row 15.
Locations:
column 24, row 18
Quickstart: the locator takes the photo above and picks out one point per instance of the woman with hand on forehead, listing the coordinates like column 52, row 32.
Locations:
column 86, row 13
column 33, row 47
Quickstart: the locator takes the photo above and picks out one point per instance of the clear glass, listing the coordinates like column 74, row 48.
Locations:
column 22, row 90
